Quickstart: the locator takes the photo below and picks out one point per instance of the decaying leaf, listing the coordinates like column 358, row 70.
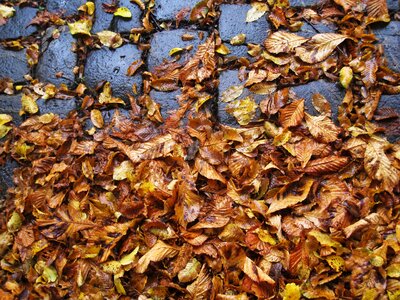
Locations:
column 238, row 39
column 244, row 110
column 80, row 27
column 106, row 97
column 232, row 93
column 6, row 11
column 4, row 129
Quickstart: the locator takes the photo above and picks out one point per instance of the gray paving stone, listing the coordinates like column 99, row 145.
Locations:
column 332, row 91
column 13, row 65
column 125, row 25
column 233, row 22
column 6, row 176
column 389, row 36
column 17, row 26
column 393, row 5
column 102, row 19
column 237, row 51
column 303, row 3
column 111, row 65
column 162, row 42
column 166, row 10
column 68, row 7
column 11, row 105
column 168, row 101
column 308, row 30
column 227, row 79
column 60, row 107
column 57, row 56
column 392, row 124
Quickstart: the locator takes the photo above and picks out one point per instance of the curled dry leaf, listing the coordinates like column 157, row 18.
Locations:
column 283, row 41
column 106, row 97
column 4, row 119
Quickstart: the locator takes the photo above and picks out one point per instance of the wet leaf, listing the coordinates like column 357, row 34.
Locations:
column 110, row 39
column 292, row 114
column 123, row 12
column 29, row 104
column 256, row 11
column 14, row 223
column 6, row 11
column 244, row 110
column 283, row 41
column 97, row 118
column 81, row 27
column 238, row 39
column 106, row 97
column 123, row 171
column 232, row 93
column 132, row 69
column 320, row 47
column 326, row 165
column 291, row 292
column 346, row 76
column 322, row 128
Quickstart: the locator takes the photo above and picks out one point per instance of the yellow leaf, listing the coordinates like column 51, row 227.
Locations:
column 283, row 41
column 88, row 7
column 80, row 27
column 112, row 267
column 128, row 259
column 256, row 11
column 254, row 272
column 379, row 167
column 14, row 223
column 97, row 118
column 200, row 288
column 320, row 47
column 6, row 11
column 123, row 12
column 123, row 171
column 282, row 138
column 346, row 76
column 4, row 130
column 223, row 49
column 291, row 292
column 393, row 270
column 159, row 251
column 49, row 274
column 110, row 39
column 175, row 51
column 324, row 239
column 238, row 39
column 29, row 104
column 106, row 97
column 335, row 262
column 244, row 110
column 190, row 271
column 4, row 119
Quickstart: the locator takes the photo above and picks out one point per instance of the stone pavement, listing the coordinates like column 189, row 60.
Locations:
column 59, row 63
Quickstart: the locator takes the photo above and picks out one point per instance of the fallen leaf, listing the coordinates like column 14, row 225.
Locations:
column 106, row 97
column 6, row 11
column 110, row 39
column 283, row 41
column 329, row 164
column 238, row 39
column 292, row 114
column 322, row 128
column 346, row 76
column 157, row 253
column 97, row 118
column 81, row 27
column 256, row 11
column 244, row 110
column 123, row 171
column 232, row 93
column 123, row 12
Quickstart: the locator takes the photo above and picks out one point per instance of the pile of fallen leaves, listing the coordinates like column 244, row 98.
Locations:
column 289, row 205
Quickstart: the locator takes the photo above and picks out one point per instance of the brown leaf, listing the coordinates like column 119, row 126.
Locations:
column 134, row 67
column 157, row 253
column 326, row 165
column 292, row 114
column 283, row 41
column 322, row 128
column 208, row 171
column 321, row 105
column 200, row 288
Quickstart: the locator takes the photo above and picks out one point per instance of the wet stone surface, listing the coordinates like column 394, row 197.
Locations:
column 166, row 10
column 125, row 25
column 389, row 36
column 111, row 65
column 393, row 5
column 303, row 3
column 233, row 22
column 227, row 79
column 168, row 101
column 57, row 56
column 332, row 91
column 102, row 19
column 17, row 26
column 11, row 105
column 308, row 30
column 6, row 176
column 13, row 65
column 162, row 42
column 60, row 107
column 68, row 7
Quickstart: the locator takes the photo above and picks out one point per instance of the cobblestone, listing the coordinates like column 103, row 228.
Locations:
column 61, row 107
column 58, row 58
column 112, row 65
column 102, row 19
column 168, row 101
column 125, row 25
column 162, row 42
column 233, row 22
column 68, row 7
column 166, row 10
column 13, row 64
column 18, row 25
column 11, row 105
column 330, row 90
column 389, row 36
